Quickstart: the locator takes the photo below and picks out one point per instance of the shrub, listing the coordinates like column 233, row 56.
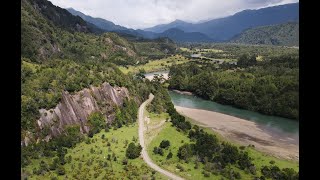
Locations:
column 164, row 144
column 157, row 150
column 61, row 170
column 125, row 161
column 180, row 167
column 169, row 156
column 272, row 162
column 133, row 151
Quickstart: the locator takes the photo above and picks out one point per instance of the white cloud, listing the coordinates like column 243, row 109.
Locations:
column 147, row 13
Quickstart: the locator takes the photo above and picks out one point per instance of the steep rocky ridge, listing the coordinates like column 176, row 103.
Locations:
column 74, row 109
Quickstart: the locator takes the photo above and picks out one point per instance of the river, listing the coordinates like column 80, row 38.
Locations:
column 274, row 122
column 274, row 135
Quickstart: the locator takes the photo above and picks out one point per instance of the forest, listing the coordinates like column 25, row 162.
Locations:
column 270, row 86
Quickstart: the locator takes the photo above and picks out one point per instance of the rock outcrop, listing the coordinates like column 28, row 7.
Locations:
column 75, row 108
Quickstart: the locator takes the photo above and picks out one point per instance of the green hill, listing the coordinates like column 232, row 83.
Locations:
column 286, row 34
column 45, row 36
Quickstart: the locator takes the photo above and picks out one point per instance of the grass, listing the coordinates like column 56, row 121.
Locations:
column 115, row 170
column 156, row 65
column 177, row 139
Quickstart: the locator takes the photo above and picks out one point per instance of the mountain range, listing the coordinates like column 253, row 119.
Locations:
column 217, row 30
column 175, row 34
column 225, row 28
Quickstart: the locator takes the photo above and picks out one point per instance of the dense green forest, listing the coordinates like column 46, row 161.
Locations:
column 234, row 51
column 286, row 34
column 270, row 86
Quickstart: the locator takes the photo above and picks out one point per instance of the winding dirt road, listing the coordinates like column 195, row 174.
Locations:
column 144, row 153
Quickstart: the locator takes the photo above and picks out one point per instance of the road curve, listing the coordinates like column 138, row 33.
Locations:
column 144, row 153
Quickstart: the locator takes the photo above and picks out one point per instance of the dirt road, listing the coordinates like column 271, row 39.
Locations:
column 144, row 153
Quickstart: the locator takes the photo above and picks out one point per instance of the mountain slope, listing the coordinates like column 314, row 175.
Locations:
column 163, row 27
column 286, row 34
column 99, row 22
column 225, row 28
column 45, row 36
column 60, row 17
column 181, row 36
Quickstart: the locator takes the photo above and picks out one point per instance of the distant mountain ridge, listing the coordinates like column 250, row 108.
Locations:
column 172, row 33
column 286, row 34
column 222, row 29
column 181, row 36
column 225, row 28
column 99, row 22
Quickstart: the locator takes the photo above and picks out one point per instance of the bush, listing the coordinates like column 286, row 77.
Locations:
column 164, row 144
column 185, row 152
column 125, row 161
column 180, row 167
column 206, row 174
column 169, row 156
column 157, row 150
column 272, row 162
column 133, row 151
column 96, row 121
column 61, row 170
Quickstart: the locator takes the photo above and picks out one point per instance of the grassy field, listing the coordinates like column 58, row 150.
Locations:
column 97, row 151
column 177, row 139
column 156, row 65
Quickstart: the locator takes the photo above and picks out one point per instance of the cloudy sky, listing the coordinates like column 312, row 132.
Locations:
column 147, row 13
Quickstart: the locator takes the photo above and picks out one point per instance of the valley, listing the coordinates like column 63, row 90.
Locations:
column 207, row 100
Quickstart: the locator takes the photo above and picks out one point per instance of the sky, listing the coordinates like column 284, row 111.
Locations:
column 139, row 14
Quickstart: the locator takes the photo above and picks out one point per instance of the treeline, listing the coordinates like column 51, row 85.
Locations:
column 233, row 51
column 270, row 86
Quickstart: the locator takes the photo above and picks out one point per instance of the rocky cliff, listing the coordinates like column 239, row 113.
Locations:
column 75, row 109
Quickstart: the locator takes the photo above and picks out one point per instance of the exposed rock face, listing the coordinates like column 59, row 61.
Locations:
column 75, row 109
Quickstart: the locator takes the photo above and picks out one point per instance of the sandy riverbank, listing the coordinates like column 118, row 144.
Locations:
column 183, row 92
column 150, row 76
column 246, row 132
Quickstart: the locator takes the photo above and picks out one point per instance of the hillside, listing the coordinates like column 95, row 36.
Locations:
column 57, row 59
column 99, row 22
column 175, row 24
column 225, row 28
column 181, row 36
column 59, row 16
column 45, row 37
column 286, row 34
